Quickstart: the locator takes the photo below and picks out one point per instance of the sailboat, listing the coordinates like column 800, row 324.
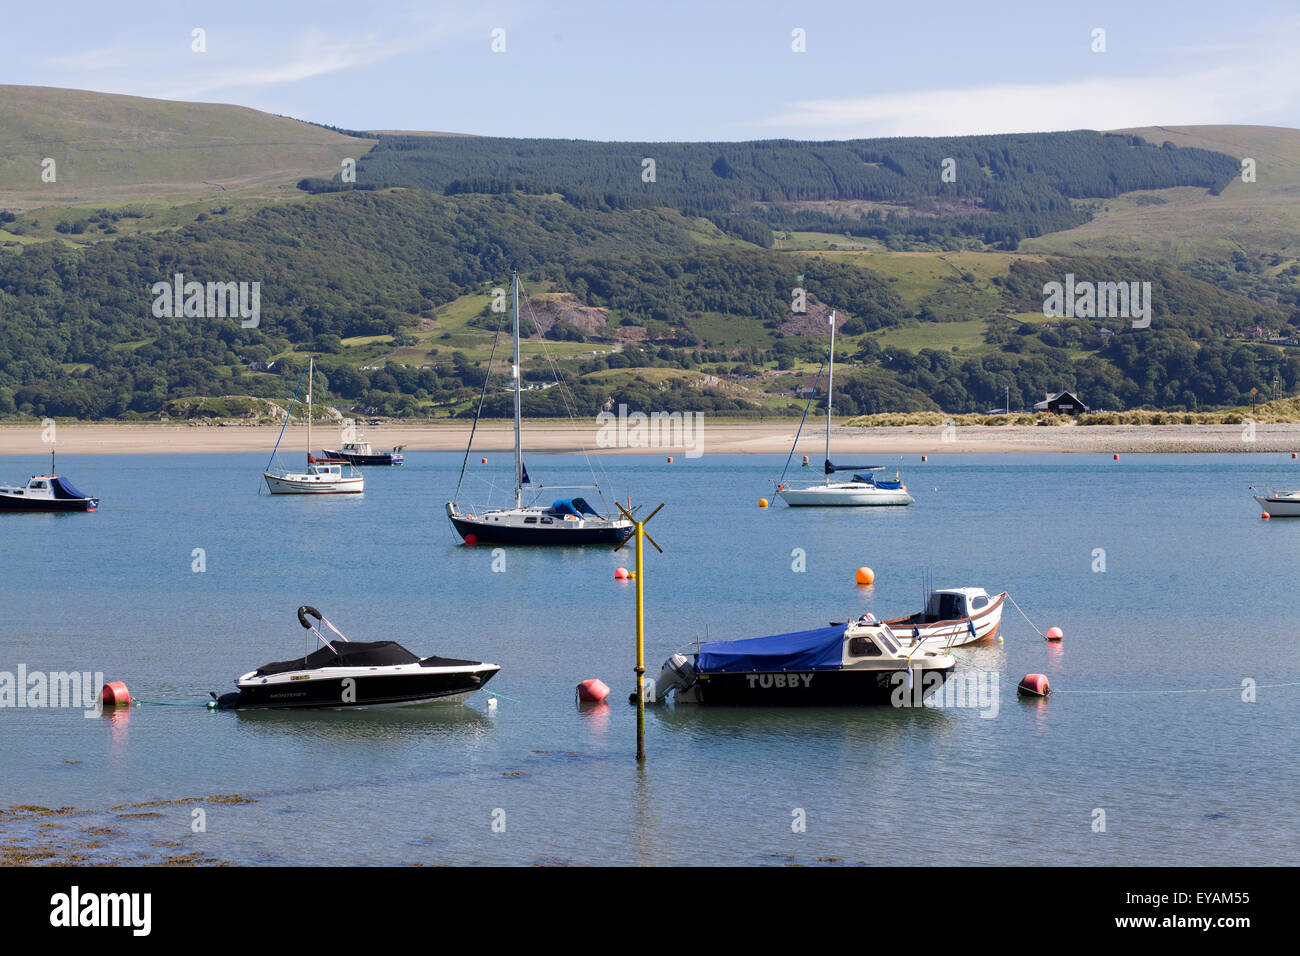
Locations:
column 565, row 521
column 864, row 488
column 323, row 476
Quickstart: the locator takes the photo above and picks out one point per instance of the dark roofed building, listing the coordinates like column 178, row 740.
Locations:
column 1062, row 403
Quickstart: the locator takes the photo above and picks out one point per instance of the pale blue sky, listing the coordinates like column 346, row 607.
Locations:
column 682, row 71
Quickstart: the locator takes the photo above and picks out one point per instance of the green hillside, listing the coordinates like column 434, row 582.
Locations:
column 1246, row 237
column 108, row 147
column 673, row 301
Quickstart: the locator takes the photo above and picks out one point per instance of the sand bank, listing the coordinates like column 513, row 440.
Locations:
column 714, row 437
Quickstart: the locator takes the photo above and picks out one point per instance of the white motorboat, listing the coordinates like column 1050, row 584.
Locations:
column 863, row 489
column 324, row 476
column 1279, row 503
column 354, row 674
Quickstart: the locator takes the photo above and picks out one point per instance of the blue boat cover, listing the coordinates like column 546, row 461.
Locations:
column 62, row 488
column 822, row 649
column 571, row 506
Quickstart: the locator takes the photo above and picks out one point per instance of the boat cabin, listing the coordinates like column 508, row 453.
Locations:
column 950, row 604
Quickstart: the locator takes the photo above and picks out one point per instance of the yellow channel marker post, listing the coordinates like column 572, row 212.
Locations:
column 638, row 531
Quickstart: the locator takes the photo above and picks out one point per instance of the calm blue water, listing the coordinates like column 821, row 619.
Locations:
column 1198, row 593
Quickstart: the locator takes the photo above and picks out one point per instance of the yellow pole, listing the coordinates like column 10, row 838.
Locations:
column 638, row 695
column 640, row 644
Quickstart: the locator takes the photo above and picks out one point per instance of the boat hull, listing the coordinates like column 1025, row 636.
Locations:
column 561, row 534
column 957, row 632
column 819, row 688
column 313, row 485
column 14, row 504
column 386, row 458
column 1288, row 507
column 823, row 496
column 315, row 690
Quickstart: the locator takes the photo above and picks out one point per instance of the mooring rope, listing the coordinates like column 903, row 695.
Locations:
column 1025, row 616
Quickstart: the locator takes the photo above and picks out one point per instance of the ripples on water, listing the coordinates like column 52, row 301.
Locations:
column 1198, row 593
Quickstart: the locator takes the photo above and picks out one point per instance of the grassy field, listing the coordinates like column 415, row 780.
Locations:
column 1176, row 225
column 111, row 148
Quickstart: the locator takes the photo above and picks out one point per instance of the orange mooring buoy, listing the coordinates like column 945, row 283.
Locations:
column 865, row 576
column 1292, row 454
column 1035, row 685
column 483, row 461
column 593, row 690
column 762, row 502
column 924, row 458
column 115, row 695
column 1265, row 515
column 1116, row 457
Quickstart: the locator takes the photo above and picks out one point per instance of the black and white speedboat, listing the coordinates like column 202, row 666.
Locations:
column 564, row 522
column 844, row 664
column 346, row 674
column 46, row 493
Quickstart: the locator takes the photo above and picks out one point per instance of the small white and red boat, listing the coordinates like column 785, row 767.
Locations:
column 953, row 617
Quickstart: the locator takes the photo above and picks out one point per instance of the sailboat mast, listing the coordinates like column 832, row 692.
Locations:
column 519, row 458
column 311, row 374
column 830, row 385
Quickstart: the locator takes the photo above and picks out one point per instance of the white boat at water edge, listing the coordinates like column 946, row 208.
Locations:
column 323, row 476
column 1279, row 503
column 864, row 489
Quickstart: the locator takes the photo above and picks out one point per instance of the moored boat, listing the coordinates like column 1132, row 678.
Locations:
column 838, row 665
column 361, row 453
column 952, row 617
column 1279, row 503
column 863, row 489
column 324, row 476
column 355, row 674
column 45, row 493
column 565, row 522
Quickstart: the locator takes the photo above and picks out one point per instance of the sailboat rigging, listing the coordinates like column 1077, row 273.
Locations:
column 565, row 521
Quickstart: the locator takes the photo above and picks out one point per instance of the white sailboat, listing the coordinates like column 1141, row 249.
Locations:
column 323, row 476
column 864, row 488
column 565, row 521
column 1279, row 503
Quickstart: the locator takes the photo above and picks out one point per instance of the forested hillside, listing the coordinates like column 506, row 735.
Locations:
column 706, row 288
column 997, row 188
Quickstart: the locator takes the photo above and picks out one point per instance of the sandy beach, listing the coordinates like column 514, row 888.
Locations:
column 720, row 437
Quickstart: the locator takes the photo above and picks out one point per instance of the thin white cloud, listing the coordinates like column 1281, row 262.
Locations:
column 1262, row 88
column 235, row 61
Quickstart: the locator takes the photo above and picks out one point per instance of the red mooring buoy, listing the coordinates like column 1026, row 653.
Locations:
column 1055, row 634
column 593, row 690
column 471, row 539
column 115, row 695
column 1035, row 685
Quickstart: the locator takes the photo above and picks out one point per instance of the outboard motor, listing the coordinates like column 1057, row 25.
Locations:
column 678, row 674
column 225, row 701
